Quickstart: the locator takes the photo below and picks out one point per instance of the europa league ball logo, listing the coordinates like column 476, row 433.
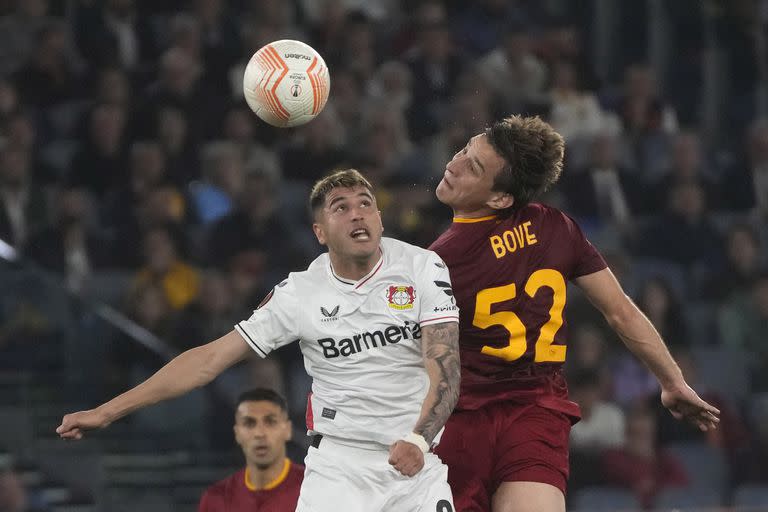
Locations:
column 295, row 90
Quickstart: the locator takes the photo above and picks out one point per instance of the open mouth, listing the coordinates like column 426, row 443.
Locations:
column 360, row 234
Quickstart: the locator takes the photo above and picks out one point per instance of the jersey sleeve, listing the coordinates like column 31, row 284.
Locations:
column 586, row 258
column 437, row 301
column 273, row 324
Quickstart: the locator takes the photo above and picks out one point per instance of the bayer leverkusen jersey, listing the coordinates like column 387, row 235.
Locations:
column 361, row 340
column 510, row 279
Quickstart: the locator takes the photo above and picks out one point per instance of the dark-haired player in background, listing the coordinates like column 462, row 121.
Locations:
column 506, row 444
column 270, row 482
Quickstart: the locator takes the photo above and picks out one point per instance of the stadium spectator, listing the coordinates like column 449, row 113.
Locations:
column 603, row 189
column 743, row 264
column 14, row 497
column 742, row 322
column 223, row 169
column 23, row 206
column 172, row 132
column 317, row 149
column 513, row 72
column 248, row 233
column 113, row 32
column 746, row 182
column 640, row 465
column 179, row 281
column 17, row 33
column 687, row 163
column 601, row 427
column 99, row 163
column 435, row 66
column 646, row 119
column 239, row 128
column 270, row 482
column 602, row 422
column 664, row 309
column 51, row 75
column 684, row 232
column 69, row 245
column 573, row 111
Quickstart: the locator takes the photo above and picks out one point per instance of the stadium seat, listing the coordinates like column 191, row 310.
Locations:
column 704, row 465
column 700, row 318
column 73, row 508
column 604, row 499
column 751, row 496
column 692, row 499
column 675, row 275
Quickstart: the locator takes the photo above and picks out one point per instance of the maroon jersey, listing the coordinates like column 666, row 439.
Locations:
column 236, row 494
column 509, row 278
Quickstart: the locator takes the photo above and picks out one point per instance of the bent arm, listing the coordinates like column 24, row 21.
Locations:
column 440, row 349
column 632, row 326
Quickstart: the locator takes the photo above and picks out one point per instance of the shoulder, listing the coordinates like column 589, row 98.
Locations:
column 398, row 250
column 221, row 487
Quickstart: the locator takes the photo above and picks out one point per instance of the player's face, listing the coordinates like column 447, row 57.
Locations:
column 468, row 180
column 350, row 223
column 261, row 430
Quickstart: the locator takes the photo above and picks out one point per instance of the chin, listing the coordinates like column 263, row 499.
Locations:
column 442, row 193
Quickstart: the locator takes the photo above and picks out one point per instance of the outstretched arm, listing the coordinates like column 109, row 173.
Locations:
column 639, row 335
column 191, row 369
column 440, row 349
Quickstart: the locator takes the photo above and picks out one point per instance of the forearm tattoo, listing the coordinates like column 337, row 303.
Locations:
column 440, row 346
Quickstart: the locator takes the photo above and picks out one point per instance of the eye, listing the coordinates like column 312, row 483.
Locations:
column 365, row 202
column 340, row 208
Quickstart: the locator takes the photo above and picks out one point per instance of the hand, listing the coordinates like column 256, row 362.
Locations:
column 685, row 404
column 406, row 457
column 73, row 425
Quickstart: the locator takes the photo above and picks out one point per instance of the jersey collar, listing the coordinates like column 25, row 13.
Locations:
column 354, row 285
column 470, row 220
column 271, row 485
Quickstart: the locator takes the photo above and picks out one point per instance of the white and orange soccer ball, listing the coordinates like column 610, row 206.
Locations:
column 286, row 83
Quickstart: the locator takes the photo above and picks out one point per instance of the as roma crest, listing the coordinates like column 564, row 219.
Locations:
column 401, row 297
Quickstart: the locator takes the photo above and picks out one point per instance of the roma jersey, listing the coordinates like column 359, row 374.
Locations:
column 510, row 279
column 236, row 493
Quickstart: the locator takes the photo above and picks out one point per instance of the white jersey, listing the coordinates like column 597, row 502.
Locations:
column 361, row 340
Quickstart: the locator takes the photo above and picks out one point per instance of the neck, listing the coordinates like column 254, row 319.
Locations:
column 258, row 478
column 484, row 211
column 353, row 268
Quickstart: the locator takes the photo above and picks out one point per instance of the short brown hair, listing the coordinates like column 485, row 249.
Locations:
column 347, row 178
column 533, row 152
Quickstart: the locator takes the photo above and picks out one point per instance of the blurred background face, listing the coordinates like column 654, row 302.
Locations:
column 686, row 153
column 113, row 87
column 73, row 205
column 150, row 307
column 159, row 252
column 261, row 429
column 588, row 346
column 641, row 433
column 13, row 498
column 215, row 293
column 14, row 167
column 742, row 250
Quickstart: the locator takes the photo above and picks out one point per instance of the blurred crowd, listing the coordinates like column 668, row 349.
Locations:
column 126, row 148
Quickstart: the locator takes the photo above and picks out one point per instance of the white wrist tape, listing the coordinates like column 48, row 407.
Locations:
column 418, row 440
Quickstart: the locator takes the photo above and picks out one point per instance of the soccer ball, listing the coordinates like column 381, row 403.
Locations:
column 286, row 83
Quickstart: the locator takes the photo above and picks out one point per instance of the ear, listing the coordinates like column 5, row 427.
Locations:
column 500, row 201
column 290, row 430
column 319, row 233
column 381, row 221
